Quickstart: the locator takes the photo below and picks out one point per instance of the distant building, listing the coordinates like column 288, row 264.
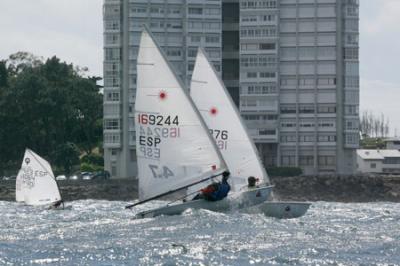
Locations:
column 378, row 161
column 290, row 65
column 392, row 143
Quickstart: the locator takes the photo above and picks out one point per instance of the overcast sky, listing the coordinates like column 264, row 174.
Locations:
column 72, row 30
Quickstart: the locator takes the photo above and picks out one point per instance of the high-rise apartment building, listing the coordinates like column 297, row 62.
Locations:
column 290, row 65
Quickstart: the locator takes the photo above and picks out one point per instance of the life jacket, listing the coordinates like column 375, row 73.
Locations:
column 221, row 192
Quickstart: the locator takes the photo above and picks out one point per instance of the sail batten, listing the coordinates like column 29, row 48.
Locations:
column 223, row 119
column 173, row 147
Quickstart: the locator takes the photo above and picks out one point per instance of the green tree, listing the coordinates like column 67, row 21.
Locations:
column 49, row 107
column 66, row 156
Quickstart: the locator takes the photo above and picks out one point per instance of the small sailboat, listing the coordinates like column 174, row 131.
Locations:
column 226, row 126
column 35, row 183
column 173, row 146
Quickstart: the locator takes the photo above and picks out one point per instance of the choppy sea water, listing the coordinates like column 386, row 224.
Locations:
column 98, row 232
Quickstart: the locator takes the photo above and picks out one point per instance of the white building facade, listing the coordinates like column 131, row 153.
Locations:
column 298, row 80
column 290, row 65
column 378, row 161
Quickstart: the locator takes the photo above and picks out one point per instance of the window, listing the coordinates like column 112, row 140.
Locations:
column 259, row 117
column 324, row 52
column 324, row 109
column 260, row 89
column 351, row 25
column 192, row 52
column 112, row 53
column 195, row 38
column 112, row 96
column 111, row 124
column 111, row 11
column 195, row 10
column 288, row 109
column 212, row 39
column 326, row 160
column 352, row 139
column 111, row 69
column 258, row 60
column 352, row 68
column 306, row 160
column 258, row 32
column 212, row 11
column 288, row 124
column 326, row 138
column 111, row 109
column 174, row 52
column 195, row 25
column 248, row 103
column 352, row 124
column 289, row 160
column 373, row 165
column 264, row 132
column 288, row 52
column 111, row 81
column 306, row 81
column 391, row 160
column 306, row 138
column 139, row 9
column 111, row 138
column 306, row 52
column 174, row 11
column 267, row 74
column 352, row 10
column 249, row 47
column 326, row 124
column 351, row 110
column 288, row 81
column 267, row 46
column 254, row 4
column 307, row 124
column 351, row 53
column 251, row 74
column 352, row 39
column 306, row 109
column 112, row 25
column 325, row 81
column 268, row 18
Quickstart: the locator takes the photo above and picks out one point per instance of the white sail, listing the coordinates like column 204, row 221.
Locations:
column 173, row 146
column 223, row 119
column 35, row 184
column 19, row 186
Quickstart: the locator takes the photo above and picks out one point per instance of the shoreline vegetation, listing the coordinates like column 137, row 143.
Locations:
column 371, row 188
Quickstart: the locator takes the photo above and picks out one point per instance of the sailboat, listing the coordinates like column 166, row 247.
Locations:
column 226, row 126
column 35, row 183
column 173, row 146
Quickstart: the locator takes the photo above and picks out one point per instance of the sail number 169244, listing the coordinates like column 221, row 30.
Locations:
column 158, row 120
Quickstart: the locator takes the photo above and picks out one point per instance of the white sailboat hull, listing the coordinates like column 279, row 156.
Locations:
column 237, row 201
column 281, row 209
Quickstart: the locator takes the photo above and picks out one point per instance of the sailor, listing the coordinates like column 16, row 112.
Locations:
column 251, row 182
column 57, row 205
column 216, row 191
